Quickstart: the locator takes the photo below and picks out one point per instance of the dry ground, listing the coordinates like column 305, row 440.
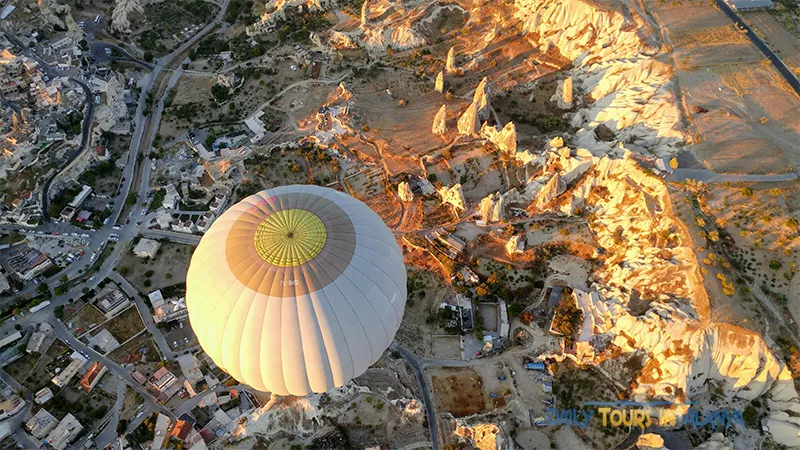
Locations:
column 786, row 44
column 169, row 267
column 125, row 325
column 84, row 318
column 446, row 347
column 458, row 391
column 753, row 121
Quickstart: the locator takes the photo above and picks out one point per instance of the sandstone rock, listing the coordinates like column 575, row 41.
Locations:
column 404, row 192
column 492, row 208
column 453, row 195
column 515, row 245
column 563, row 94
column 650, row 441
column 439, row 86
column 450, row 64
column 481, row 99
column 505, row 140
column 364, row 13
column 555, row 187
column 469, row 123
column 440, row 121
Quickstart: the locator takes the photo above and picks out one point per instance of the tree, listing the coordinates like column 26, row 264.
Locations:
column 673, row 163
column 515, row 309
column 747, row 192
column 58, row 312
column 131, row 200
column 775, row 264
column 220, row 92
column 148, row 56
column 792, row 223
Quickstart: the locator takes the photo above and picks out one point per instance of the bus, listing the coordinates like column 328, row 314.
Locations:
column 40, row 306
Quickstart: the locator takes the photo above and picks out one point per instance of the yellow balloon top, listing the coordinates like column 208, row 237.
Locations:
column 290, row 237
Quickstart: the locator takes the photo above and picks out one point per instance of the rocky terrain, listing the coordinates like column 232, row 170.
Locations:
column 618, row 97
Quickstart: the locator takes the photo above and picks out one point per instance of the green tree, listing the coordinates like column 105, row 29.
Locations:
column 58, row 312
column 148, row 56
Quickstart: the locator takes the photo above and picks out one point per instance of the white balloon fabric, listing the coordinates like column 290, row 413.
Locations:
column 296, row 289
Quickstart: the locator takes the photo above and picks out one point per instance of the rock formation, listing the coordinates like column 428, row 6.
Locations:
column 478, row 111
column 453, row 195
column 440, row 121
column 481, row 99
column 364, row 13
column 404, row 192
column 563, row 95
column 469, row 123
column 555, row 187
column 439, row 86
column 492, row 208
column 513, row 245
column 505, row 140
column 450, row 64
column 650, row 441
column 556, row 143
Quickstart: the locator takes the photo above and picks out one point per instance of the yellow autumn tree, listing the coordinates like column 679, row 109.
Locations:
column 673, row 163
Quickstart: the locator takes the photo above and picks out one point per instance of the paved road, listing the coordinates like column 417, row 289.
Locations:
column 776, row 61
column 430, row 412
column 707, row 176
column 109, row 433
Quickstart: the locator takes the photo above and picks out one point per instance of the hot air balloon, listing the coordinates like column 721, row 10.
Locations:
column 296, row 289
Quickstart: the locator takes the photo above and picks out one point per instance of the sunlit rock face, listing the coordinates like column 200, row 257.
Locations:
column 615, row 80
column 454, row 195
column 505, row 140
column 440, row 121
column 404, row 192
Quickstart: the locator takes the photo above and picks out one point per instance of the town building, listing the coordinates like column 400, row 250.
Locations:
column 470, row 278
column 43, row 396
column 4, row 286
column 111, row 301
column 93, row 376
column 63, row 378
column 751, row 5
column 146, row 248
column 11, row 406
column 81, row 196
column 104, row 341
column 183, row 226
column 14, row 337
column 37, row 340
column 102, row 154
column 64, row 433
column 205, row 221
column 169, row 309
column 68, row 213
column 160, row 431
column 218, row 203
column 181, row 430
column 171, row 198
column 41, row 424
column 27, row 263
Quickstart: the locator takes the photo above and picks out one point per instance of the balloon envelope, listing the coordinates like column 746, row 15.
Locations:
column 296, row 289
